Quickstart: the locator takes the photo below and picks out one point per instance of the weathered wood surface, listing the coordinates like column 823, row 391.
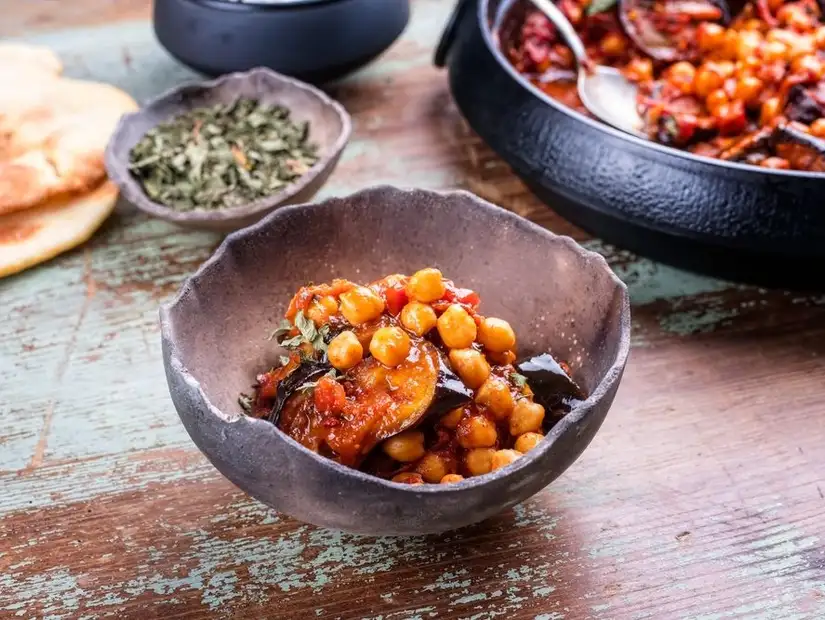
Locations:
column 702, row 497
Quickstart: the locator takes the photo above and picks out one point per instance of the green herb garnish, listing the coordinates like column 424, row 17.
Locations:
column 518, row 380
column 307, row 332
column 311, row 385
column 600, row 6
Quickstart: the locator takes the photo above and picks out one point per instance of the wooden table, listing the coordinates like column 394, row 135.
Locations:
column 702, row 497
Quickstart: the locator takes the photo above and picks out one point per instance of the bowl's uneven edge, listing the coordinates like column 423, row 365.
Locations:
column 118, row 170
column 605, row 390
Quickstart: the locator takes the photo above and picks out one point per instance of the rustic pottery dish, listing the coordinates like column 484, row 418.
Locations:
column 565, row 300
column 313, row 40
column 330, row 128
column 723, row 218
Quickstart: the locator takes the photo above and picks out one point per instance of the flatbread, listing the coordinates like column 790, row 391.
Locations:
column 29, row 58
column 35, row 235
column 53, row 134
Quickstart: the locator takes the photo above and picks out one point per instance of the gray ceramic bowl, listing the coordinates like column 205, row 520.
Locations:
column 330, row 128
column 558, row 296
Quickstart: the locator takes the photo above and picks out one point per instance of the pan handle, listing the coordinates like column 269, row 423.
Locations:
column 448, row 36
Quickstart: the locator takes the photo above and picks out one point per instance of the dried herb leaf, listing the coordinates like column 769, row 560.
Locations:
column 245, row 401
column 284, row 328
column 222, row 156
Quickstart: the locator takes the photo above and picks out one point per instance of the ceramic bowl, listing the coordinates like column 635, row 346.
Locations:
column 330, row 128
column 558, row 296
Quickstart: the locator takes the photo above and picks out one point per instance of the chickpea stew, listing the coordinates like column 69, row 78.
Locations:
column 737, row 81
column 405, row 380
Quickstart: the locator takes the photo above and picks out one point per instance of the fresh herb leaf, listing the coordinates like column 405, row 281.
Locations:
column 518, row 380
column 283, row 359
column 245, row 401
column 600, row 6
column 293, row 342
column 284, row 328
column 306, row 327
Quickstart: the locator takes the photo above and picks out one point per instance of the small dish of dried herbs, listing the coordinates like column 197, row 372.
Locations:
column 222, row 154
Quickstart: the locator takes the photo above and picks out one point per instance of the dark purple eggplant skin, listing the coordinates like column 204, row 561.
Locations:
column 659, row 53
column 307, row 372
column 552, row 387
column 792, row 143
column 802, row 105
column 450, row 392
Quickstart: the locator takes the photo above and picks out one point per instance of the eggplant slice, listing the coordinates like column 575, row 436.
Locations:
column 806, row 102
column 658, row 27
column 552, row 386
column 802, row 150
column 381, row 402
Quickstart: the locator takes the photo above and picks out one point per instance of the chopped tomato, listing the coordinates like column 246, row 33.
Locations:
column 395, row 298
column 462, row 296
column 329, row 396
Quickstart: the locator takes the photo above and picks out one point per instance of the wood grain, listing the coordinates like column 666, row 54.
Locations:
column 702, row 497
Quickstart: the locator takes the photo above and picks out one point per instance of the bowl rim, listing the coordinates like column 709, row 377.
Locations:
column 490, row 41
column 132, row 190
column 262, row 5
column 609, row 381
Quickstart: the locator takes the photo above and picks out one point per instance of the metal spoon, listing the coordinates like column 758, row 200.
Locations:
column 604, row 91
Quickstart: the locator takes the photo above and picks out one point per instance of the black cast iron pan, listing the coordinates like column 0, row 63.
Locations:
column 725, row 219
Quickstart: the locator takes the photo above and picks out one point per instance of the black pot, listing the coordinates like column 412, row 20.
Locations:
column 312, row 40
column 725, row 219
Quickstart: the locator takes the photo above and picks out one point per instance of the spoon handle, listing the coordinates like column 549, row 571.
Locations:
column 564, row 26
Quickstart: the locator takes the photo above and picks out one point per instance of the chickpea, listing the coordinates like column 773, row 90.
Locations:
column 408, row 477
column 770, row 110
column 503, row 358
column 456, row 328
column 639, row 69
column 810, row 64
column 496, row 335
column 774, row 50
column 451, row 478
column 528, row 441
column 495, row 395
column 817, row 128
column 432, row 467
column 748, row 89
column 716, row 100
column 502, row 458
column 405, row 447
column 748, row 45
column 710, row 36
column 725, row 68
column 476, row 431
column 479, row 461
column 819, row 37
column 730, row 45
column 800, row 45
column 418, row 318
column 321, row 309
column 776, row 163
column 426, row 285
column 681, row 75
column 753, row 24
column 706, row 81
column 390, row 346
column 527, row 417
column 613, row 44
column 471, row 366
column 794, row 16
column 452, row 419
column 361, row 305
column 345, row 351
